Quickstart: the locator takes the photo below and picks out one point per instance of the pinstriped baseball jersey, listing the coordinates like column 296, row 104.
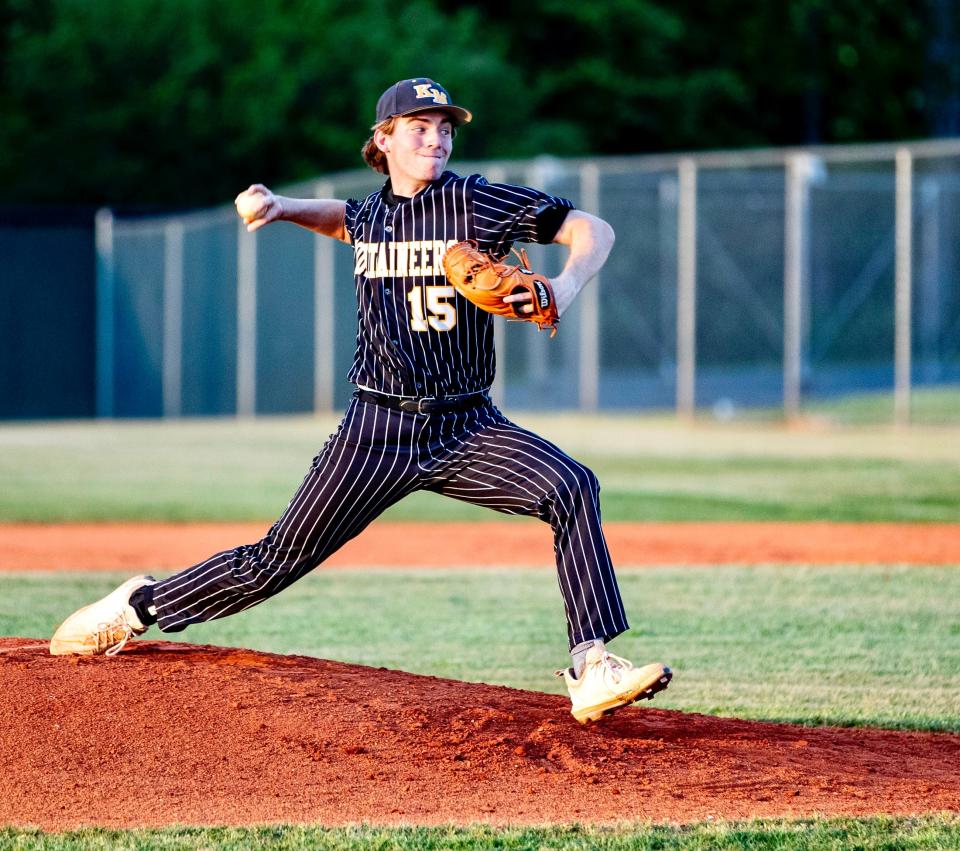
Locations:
column 416, row 336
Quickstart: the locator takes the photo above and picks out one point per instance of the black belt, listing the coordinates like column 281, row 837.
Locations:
column 424, row 404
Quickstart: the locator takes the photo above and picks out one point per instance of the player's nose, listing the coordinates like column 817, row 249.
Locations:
column 433, row 138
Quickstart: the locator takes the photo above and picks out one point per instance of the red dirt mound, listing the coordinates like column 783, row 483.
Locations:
column 174, row 733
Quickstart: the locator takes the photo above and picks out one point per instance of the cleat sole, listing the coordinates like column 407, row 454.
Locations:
column 657, row 687
column 595, row 713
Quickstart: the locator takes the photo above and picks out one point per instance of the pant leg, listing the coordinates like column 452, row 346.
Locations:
column 363, row 469
column 512, row 470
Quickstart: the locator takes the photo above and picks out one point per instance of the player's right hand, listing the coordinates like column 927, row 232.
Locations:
column 258, row 206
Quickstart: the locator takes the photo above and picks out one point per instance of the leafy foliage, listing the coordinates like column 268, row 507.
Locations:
column 183, row 102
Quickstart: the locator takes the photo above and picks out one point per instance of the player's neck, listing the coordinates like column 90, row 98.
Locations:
column 407, row 187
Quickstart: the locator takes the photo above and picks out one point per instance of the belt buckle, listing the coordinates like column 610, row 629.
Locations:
column 415, row 405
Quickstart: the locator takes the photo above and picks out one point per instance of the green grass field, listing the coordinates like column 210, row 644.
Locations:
column 929, row 406
column 868, row 645
column 869, row 834
column 650, row 469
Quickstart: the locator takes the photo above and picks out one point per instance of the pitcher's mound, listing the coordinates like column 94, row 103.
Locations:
column 170, row 733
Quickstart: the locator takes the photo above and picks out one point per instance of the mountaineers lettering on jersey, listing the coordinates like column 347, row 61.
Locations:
column 400, row 259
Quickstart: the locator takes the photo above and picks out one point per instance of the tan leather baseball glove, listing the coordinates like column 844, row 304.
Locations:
column 477, row 277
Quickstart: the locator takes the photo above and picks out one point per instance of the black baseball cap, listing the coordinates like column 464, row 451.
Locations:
column 419, row 95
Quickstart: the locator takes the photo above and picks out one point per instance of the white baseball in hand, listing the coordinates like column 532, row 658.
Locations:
column 250, row 205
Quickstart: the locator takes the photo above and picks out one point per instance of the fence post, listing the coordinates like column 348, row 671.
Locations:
column 498, row 390
column 106, row 285
column 589, row 366
column 795, row 271
column 323, row 312
column 172, row 318
column 686, row 287
column 930, row 280
column 667, row 192
column 246, row 321
column 903, row 286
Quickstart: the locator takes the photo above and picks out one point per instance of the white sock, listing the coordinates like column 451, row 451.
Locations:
column 579, row 655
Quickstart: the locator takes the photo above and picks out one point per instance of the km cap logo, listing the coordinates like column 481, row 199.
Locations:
column 425, row 90
column 419, row 95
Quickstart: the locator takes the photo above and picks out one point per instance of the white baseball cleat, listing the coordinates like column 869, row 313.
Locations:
column 103, row 627
column 609, row 682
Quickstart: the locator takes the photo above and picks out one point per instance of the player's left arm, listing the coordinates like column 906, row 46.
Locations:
column 589, row 240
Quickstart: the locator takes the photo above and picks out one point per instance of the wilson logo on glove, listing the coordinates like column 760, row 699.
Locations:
column 543, row 297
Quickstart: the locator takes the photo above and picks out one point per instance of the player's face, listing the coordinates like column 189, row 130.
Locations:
column 417, row 150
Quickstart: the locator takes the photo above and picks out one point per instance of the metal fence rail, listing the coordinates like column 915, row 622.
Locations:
column 768, row 277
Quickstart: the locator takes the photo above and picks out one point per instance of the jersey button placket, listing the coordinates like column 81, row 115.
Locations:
column 387, row 289
column 388, row 228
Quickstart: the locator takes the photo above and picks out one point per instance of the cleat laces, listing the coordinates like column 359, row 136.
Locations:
column 613, row 667
column 107, row 632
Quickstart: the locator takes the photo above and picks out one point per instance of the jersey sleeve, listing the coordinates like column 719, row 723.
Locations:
column 504, row 214
column 350, row 217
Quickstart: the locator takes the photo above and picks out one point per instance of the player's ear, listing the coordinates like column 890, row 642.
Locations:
column 381, row 140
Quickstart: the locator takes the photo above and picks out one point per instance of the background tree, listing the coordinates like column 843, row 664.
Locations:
column 182, row 102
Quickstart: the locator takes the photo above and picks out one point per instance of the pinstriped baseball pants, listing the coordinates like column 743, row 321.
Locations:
column 376, row 457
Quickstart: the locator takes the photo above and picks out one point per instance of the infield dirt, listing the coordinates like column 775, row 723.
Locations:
column 170, row 733
column 153, row 546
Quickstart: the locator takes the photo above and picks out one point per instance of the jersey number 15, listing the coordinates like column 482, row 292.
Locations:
column 441, row 314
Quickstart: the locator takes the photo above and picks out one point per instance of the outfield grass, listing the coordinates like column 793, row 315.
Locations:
column 650, row 469
column 870, row 834
column 928, row 406
column 844, row 645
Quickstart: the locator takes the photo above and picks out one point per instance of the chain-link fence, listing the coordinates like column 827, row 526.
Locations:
column 761, row 278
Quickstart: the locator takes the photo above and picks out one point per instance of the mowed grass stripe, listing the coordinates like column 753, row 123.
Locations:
column 869, row 834
column 649, row 468
column 877, row 646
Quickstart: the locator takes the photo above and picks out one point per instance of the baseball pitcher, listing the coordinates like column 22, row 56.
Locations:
column 431, row 266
